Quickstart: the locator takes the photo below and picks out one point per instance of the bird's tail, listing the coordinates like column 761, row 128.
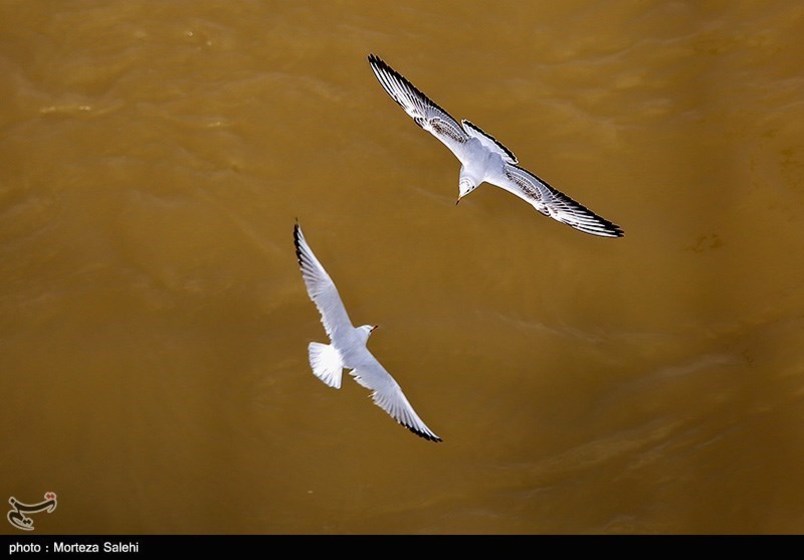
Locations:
column 326, row 363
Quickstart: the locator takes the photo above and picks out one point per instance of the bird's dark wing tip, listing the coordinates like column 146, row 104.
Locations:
column 379, row 64
column 376, row 61
column 605, row 228
column 297, row 242
column 614, row 229
column 429, row 437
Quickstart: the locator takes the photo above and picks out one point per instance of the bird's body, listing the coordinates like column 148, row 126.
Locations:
column 347, row 349
column 484, row 159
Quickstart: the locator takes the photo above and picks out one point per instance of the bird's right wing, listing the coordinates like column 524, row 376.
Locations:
column 554, row 203
column 424, row 111
column 321, row 288
column 388, row 395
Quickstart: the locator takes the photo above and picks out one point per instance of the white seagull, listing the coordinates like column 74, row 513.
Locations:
column 484, row 158
column 348, row 349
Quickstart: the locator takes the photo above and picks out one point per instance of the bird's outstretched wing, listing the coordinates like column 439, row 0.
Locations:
column 320, row 288
column 554, row 203
column 388, row 395
column 422, row 109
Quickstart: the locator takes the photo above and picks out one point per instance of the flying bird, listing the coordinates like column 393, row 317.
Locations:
column 484, row 159
column 348, row 345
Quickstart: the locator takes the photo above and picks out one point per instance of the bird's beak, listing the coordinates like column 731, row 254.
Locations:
column 457, row 201
column 374, row 328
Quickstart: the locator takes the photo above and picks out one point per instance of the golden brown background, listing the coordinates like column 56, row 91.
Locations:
column 153, row 370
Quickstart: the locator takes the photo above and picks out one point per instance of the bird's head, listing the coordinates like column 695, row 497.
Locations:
column 465, row 186
column 366, row 330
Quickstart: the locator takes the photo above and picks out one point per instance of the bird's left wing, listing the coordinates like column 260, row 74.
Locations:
column 321, row 288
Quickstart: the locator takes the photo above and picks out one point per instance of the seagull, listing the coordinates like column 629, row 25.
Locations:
column 348, row 349
column 484, row 158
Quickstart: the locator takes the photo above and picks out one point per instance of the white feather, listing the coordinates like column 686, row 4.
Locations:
column 326, row 363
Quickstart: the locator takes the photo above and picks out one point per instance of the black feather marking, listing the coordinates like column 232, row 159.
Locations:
column 428, row 437
column 424, row 435
column 297, row 243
